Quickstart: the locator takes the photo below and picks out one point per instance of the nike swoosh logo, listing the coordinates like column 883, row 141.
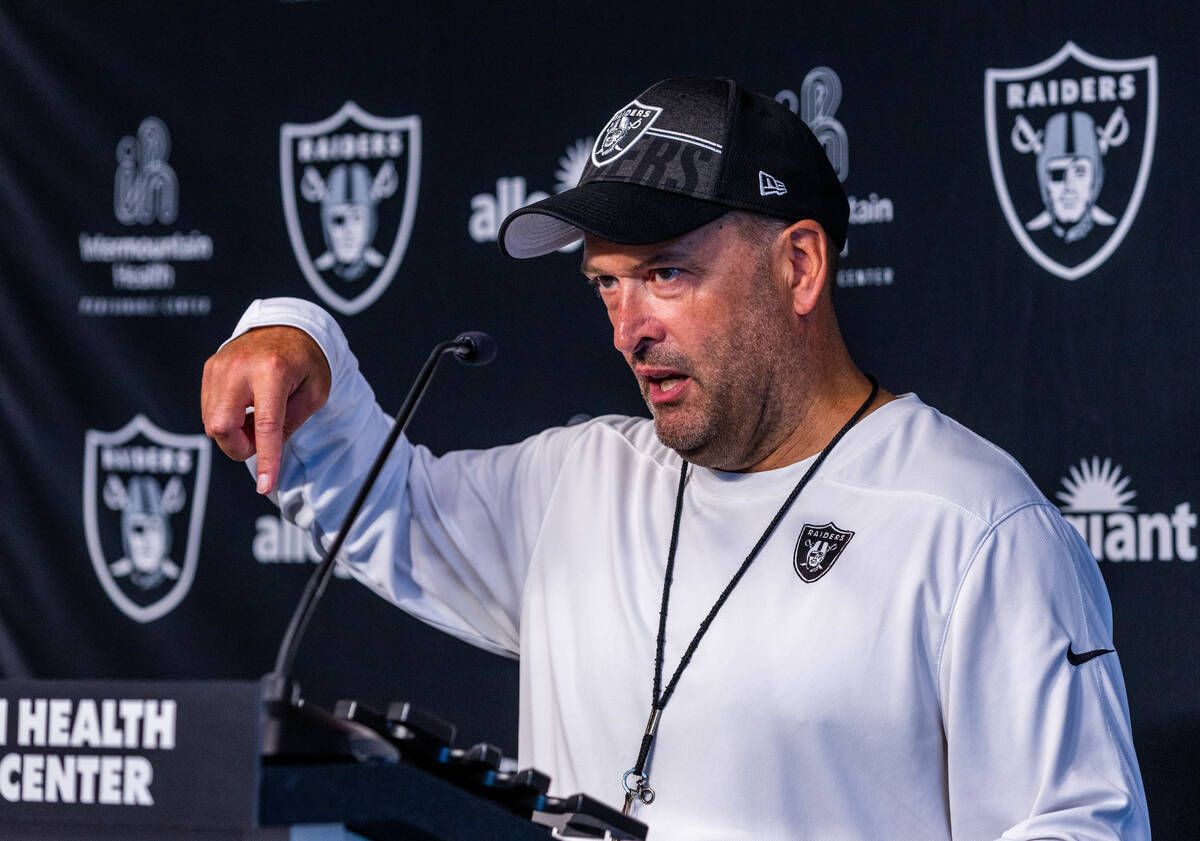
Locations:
column 1081, row 658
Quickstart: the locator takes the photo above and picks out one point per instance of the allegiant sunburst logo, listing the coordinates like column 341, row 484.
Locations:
column 1096, row 499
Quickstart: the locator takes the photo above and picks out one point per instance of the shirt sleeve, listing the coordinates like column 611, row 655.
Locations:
column 1037, row 747
column 446, row 539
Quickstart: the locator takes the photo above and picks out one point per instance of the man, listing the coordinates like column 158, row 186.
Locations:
column 851, row 617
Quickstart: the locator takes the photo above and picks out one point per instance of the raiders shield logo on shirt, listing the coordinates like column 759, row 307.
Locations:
column 817, row 548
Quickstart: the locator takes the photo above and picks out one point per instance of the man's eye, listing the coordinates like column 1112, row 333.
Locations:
column 603, row 281
column 664, row 274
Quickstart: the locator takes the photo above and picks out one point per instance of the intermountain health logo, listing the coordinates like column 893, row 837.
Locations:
column 349, row 187
column 144, row 492
column 144, row 261
column 1096, row 500
column 817, row 104
column 1070, row 142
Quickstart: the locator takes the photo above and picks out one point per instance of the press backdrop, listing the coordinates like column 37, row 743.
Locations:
column 163, row 164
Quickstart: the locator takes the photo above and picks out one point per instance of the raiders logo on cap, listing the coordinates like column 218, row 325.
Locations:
column 683, row 153
column 622, row 131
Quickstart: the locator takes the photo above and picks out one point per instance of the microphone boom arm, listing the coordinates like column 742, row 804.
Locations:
column 471, row 348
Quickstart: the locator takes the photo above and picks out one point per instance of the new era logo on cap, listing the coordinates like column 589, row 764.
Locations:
column 769, row 185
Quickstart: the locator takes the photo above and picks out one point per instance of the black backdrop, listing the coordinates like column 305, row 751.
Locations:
column 142, row 155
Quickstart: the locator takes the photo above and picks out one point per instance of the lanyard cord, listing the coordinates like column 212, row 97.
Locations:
column 659, row 696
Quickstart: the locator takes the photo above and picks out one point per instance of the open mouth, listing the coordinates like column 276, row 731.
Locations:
column 667, row 387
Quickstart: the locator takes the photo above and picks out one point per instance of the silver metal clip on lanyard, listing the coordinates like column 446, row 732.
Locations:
column 640, row 788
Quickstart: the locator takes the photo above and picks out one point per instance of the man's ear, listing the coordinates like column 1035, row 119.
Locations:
column 805, row 255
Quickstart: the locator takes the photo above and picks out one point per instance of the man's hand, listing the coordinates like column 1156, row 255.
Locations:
column 282, row 374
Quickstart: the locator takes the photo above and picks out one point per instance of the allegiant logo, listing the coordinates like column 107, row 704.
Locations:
column 1095, row 500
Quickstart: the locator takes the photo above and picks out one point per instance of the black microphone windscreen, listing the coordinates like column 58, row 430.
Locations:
column 475, row 348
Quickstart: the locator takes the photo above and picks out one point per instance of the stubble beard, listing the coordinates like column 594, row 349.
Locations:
column 732, row 416
column 689, row 428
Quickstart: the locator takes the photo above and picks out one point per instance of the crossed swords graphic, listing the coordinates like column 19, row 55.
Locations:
column 1026, row 139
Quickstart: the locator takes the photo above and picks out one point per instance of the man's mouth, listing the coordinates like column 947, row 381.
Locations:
column 663, row 386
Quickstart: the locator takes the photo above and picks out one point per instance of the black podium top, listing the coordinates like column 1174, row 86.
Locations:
column 190, row 761
column 385, row 803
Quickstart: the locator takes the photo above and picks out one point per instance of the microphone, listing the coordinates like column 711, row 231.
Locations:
column 474, row 348
column 281, row 693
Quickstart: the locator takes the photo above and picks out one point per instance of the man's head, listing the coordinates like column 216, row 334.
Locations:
column 711, row 220
column 721, row 327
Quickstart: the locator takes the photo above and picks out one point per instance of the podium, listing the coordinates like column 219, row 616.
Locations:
column 183, row 761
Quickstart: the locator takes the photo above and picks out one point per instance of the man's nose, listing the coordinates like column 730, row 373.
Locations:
column 635, row 325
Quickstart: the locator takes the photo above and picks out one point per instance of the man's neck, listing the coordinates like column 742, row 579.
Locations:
column 825, row 413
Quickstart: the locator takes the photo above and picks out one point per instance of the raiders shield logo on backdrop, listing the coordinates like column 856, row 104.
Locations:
column 357, row 177
column 144, row 492
column 1071, row 141
column 622, row 131
column 817, row 548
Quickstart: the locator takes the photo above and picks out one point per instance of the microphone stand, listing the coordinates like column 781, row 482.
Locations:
column 291, row 728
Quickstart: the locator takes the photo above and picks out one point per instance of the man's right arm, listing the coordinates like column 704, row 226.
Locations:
column 447, row 539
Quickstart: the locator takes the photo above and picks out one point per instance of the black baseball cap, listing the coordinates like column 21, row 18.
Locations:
column 684, row 152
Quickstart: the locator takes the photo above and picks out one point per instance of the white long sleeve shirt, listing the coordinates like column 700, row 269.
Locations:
column 917, row 690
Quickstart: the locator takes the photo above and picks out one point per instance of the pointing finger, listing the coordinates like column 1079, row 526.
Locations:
column 270, row 409
column 281, row 374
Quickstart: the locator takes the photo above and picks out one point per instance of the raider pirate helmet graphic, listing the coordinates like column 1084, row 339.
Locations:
column 146, row 508
column 349, row 200
column 144, row 494
column 1089, row 125
column 363, row 173
column 1070, row 172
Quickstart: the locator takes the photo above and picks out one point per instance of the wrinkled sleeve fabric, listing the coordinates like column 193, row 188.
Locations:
column 447, row 539
column 1029, row 736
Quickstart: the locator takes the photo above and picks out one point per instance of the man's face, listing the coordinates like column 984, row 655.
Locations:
column 706, row 330
column 1069, row 181
column 348, row 228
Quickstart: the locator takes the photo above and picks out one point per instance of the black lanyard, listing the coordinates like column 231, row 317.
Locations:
column 640, row 787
